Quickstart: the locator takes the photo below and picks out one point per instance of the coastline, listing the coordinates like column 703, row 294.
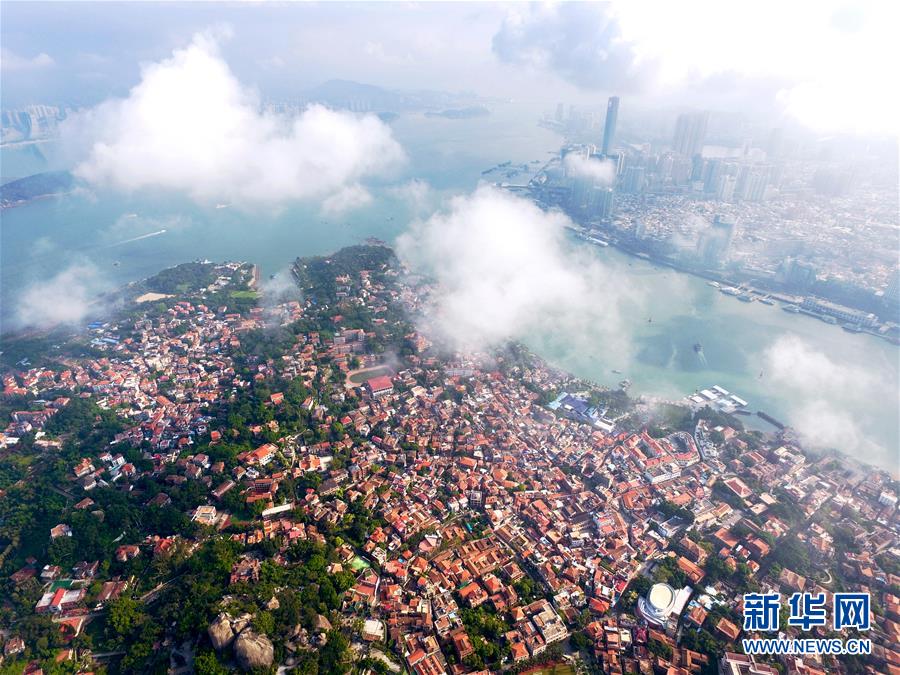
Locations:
column 114, row 301
column 36, row 198
column 708, row 275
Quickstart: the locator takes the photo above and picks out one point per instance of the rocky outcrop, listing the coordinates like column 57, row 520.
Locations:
column 240, row 623
column 253, row 651
column 220, row 632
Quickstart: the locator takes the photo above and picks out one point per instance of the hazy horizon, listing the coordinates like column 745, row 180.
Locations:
column 660, row 56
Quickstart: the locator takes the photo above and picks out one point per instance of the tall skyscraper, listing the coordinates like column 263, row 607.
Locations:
column 752, row 183
column 690, row 132
column 725, row 188
column 609, row 130
column 714, row 244
column 602, row 203
column 712, row 169
column 633, row 180
column 798, row 275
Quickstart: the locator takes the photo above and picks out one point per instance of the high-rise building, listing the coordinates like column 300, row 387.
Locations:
column 590, row 200
column 682, row 168
column 714, row 243
column 799, row 276
column 618, row 158
column 602, row 203
column 609, row 130
column 690, row 133
column 633, row 180
column 725, row 188
column 712, row 169
column 752, row 183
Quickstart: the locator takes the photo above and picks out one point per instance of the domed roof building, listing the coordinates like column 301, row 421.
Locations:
column 658, row 604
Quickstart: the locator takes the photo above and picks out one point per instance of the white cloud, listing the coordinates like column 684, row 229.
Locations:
column 279, row 288
column 822, row 395
column 418, row 195
column 11, row 61
column 503, row 271
column 600, row 171
column 272, row 63
column 190, row 125
column 69, row 297
column 376, row 51
column 822, row 63
column 581, row 42
column 346, row 199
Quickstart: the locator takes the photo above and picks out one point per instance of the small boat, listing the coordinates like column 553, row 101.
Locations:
column 698, row 347
column 116, row 263
column 650, row 320
column 852, row 328
column 624, row 384
column 793, row 309
column 617, row 372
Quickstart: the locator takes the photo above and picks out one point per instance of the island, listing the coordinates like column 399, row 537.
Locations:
column 219, row 481
column 39, row 186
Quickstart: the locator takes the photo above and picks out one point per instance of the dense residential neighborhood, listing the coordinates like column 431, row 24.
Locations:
column 210, row 481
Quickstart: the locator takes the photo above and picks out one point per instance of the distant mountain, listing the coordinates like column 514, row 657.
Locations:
column 24, row 190
column 360, row 97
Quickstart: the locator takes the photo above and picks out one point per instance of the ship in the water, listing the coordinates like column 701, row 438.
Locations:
column 698, row 347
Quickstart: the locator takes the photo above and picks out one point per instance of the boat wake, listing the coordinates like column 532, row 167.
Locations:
column 143, row 236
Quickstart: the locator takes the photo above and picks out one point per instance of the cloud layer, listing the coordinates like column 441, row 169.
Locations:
column 190, row 125
column 581, row 42
column 711, row 56
column 11, row 61
column 822, row 396
column 600, row 171
column 503, row 271
column 67, row 298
